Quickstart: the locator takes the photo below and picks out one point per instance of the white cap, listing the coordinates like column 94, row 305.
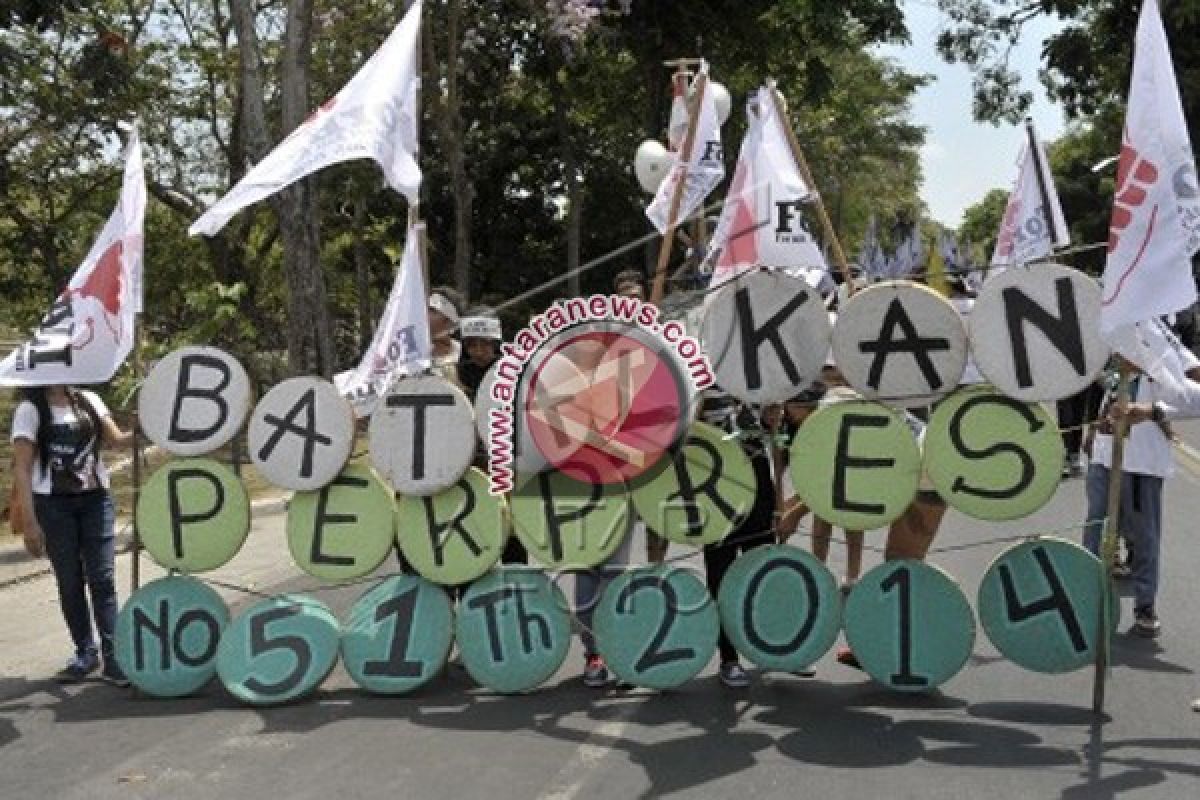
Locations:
column 480, row 328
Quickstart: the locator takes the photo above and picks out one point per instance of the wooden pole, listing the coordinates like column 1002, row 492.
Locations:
column 136, row 443
column 664, row 252
column 1108, row 548
column 839, row 255
column 1039, row 172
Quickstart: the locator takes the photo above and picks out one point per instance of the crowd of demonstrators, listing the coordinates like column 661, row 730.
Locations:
column 67, row 513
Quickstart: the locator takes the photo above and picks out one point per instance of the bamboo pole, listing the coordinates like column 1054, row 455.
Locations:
column 1039, row 171
column 136, row 444
column 689, row 141
column 1108, row 548
column 839, row 255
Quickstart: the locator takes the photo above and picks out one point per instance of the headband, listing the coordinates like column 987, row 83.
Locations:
column 440, row 304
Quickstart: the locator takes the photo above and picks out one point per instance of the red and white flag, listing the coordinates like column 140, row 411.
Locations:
column 1033, row 224
column 1155, row 226
column 700, row 169
column 373, row 116
column 402, row 345
column 88, row 332
column 761, row 222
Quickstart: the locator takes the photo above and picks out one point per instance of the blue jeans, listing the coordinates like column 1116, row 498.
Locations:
column 1140, row 523
column 591, row 584
column 80, row 541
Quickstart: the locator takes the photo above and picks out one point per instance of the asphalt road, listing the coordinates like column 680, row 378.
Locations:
column 995, row 730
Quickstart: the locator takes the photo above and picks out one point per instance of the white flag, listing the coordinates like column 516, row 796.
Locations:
column 402, row 344
column 1030, row 230
column 761, row 222
column 88, row 332
column 700, row 169
column 373, row 116
column 1155, row 226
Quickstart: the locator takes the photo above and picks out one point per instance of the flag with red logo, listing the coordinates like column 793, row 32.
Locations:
column 699, row 170
column 1033, row 224
column 402, row 345
column 88, row 332
column 373, row 116
column 1155, row 227
column 762, row 222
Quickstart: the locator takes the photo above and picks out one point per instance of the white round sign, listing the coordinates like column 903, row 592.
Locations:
column 900, row 343
column 527, row 459
column 194, row 401
column 766, row 335
column 301, row 434
column 1035, row 332
column 422, row 435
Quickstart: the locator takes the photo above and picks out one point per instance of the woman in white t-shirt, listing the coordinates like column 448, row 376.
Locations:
column 62, row 491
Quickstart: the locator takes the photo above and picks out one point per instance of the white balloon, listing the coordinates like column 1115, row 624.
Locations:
column 651, row 164
column 721, row 99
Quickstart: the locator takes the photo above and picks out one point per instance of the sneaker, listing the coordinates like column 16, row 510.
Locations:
column 1196, row 704
column 1145, row 622
column 805, row 672
column 1121, row 571
column 595, row 673
column 79, row 667
column 1073, row 466
column 733, row 676
column 846, row 656
column 113, row 674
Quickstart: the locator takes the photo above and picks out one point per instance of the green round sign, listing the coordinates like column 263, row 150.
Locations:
column 344, row 530
column 780, row 606
column 856, row 464
column 568, row 524
column 698, row 493
column 278, row 650
column 910, row 625
column 1039, row 603
column 456, row 535
column 399, row 635
column 993, row 457
column 167, row 636
column 656, row 626
column 513, row 630
column 193, row 515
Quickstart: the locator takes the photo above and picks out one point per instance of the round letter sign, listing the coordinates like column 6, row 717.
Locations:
column 193, row 515
column 194, row 401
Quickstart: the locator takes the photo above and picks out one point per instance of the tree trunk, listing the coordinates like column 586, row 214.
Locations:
column 362, row 277
column 574, row 192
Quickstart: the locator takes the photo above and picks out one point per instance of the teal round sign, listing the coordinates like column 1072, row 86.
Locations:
column 910, row 625
column 1039, row 603
column 780, row 606
column 698, row 493
column 513, row 630
column 856, row 464
column 656, row 626
column 278, row 650
column 399, row 635
column 569, row 524
column 167, row 636
column 993, row 457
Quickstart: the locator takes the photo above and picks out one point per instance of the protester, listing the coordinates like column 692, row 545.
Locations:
column 62, row 488
column 445, row 308
column 481, row 335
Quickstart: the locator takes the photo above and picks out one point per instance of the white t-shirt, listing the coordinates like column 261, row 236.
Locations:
column 74, row 463
column 1147, row 448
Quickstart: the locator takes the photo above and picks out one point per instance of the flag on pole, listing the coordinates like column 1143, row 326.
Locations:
column 700, row 169
column 88, row 332
column 677, row 124
column 402, row 344
column 761, row 222
column 373, row 116
column 1155, row 227
column 1033, row 224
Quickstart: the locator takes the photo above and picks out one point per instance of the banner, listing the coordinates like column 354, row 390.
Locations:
column 1030, row 230
column 88, row 333
column 402, row 344
column 1155, row 226
column 761, row 222
column 373, row 116
column 700, row 169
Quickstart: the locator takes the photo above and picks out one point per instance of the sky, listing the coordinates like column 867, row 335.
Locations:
column 962, row 160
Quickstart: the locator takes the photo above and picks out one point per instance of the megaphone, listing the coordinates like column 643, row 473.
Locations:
column 651, row 164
